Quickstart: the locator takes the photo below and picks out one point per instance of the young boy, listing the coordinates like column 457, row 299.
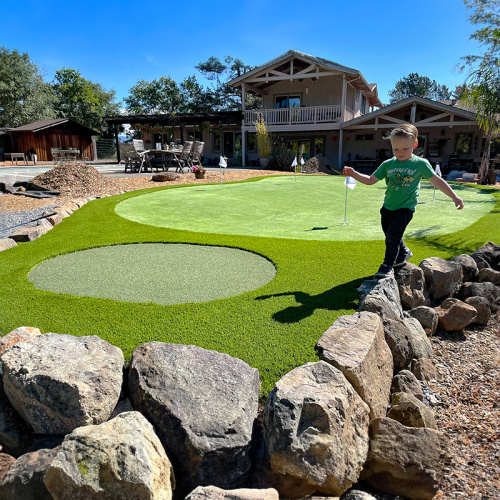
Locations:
column 402, row 174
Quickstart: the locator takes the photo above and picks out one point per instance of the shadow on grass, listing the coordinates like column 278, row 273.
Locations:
column 343, row 296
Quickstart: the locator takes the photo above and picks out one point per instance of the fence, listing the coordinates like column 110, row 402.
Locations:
column 106, row 148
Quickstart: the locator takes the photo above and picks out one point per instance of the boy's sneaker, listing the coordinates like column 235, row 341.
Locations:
column 401, row 261
column 383, row 272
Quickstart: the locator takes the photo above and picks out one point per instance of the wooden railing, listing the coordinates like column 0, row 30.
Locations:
column 293, row 116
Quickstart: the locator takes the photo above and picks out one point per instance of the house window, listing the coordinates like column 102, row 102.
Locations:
column 287, row 101
column 358, row 93
column 365, row 137
column 319, row 146
column 251, row 141
column 363, row 104
column 195, row 135
column 217, row 140
column 464, row 143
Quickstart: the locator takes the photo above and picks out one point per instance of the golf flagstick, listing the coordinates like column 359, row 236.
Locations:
column 301, row 164
column 222, row 164
column 351, row 184
column 438, row 172
column 294, row 165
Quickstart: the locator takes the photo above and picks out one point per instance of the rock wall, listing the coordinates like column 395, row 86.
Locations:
column 183, row 422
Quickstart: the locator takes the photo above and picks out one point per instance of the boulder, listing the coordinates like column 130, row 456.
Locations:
column 405, row 381
column 21, row 334
column 317, row 164
column 214, row 493
column 6, row 243
column 424, row 369
column 165, row 176
column 383, row 300
column 487, row 256
column 411, row 285
column 443, row 278
column 357, row 495
column 488, row 274
column 405, row 461
column 482, row 307
column 409, row 411
column 455, row 315
column 203, row 404
column 24, row 479
column 315, row 428
column 61, row 212
column 427, row 317
column 356, row 345
column 420, row 344
column 121, row 458
column 487, row 290
column 59, row 382
column 30, row 233
column 54, row 219
column 469, row 266
column 5, row 462
column 397, row 336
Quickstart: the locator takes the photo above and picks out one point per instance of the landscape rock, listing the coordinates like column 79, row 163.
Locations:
column 165, row 176
column 411, row 285
column 487, row 256
column 469, row 266
column 24, row 479
column 121, row 458
column 383, row 300
column 409, row 411
column 54, row 219
column 29, row 233
column 356, row 345
column 427, row 317
column 60, row 211
column 316, row 431
column 455, row 315
column 203, row 404
column 405, row 461
column 6, row 243
column 397, row 336
column 21, row 334
column 59, row 382
column 405, row 381
column 421, row 346
column 317, row 164
column 490, row 275
column 5, row 462
column 357, row 495
column 487, row 290
column 424, row 369
column 214, row 493
column 482, row 307
column 443, row 278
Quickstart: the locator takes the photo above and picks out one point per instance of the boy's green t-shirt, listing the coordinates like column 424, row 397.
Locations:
column 403, row 181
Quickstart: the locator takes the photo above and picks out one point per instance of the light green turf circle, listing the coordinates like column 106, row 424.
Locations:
column 155, row 272
column 306, row 208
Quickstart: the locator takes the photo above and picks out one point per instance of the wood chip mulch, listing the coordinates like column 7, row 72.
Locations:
column 467, row 393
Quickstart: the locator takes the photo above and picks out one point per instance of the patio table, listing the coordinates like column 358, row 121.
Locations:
column 16, row 156
column 167, row 155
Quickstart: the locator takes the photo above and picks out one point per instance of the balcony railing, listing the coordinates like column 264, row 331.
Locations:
column 294, row 116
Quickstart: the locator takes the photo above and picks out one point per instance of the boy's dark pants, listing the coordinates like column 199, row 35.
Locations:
column 394, row 224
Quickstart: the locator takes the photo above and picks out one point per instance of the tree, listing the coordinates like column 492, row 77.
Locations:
column 487, row 15
column 24, row 96
column 159, row 96
column 483, row 93
column 82, row 100
column 420, row 86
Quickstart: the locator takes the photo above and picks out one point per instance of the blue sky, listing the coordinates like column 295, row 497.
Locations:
column 117, row 43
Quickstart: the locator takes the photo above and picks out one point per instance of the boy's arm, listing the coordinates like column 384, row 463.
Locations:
column 445, row 188
column 364, row 179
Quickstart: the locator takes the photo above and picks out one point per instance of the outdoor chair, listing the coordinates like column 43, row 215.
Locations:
column 134, row 160
column 138, row 145
column 183, row 158
column 196, row 155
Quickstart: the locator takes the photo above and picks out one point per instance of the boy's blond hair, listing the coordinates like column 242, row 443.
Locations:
column 404, row 130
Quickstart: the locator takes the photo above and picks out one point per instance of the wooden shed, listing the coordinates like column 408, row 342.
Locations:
column 61, row 133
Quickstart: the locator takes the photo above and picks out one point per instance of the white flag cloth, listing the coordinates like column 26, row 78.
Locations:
column 350, row 182
column 302, row 160
column 222, row 162
column 294, row 163
column 438, row 170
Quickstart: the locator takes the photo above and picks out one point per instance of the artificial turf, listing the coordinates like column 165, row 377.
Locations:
column 273, row 328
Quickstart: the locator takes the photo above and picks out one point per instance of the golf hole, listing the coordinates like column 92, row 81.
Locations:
column 162, row 273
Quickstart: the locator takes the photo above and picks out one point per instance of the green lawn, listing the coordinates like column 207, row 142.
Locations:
column 273, row 328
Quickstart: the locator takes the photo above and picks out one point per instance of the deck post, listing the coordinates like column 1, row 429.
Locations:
column 341, row 140
column 344, row 99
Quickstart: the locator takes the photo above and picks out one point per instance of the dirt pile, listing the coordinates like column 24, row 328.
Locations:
column 77, row 180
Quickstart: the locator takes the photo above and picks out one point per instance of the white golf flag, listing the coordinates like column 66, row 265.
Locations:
column 350, row 182
column 222, row 162
column 302, row 160
column 438, row 170
column 294, row 163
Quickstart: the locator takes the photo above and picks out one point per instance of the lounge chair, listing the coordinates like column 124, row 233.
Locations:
column 196, row 155
column 134, row 160
column 183, row 158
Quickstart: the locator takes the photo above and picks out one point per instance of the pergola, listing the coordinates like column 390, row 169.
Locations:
column 173, row 120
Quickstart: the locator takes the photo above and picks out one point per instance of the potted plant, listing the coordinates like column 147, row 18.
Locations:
column 263, row 141
column 199, row 171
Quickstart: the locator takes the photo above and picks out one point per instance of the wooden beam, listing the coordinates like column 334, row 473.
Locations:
column 256, row 89
column 434, row 118
column 317, row 74
column 413, row 113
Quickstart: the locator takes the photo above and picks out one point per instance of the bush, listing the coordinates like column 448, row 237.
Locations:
column 282, row 156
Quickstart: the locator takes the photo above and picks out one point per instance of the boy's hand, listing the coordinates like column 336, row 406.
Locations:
column 348, row 171
column 459, row 203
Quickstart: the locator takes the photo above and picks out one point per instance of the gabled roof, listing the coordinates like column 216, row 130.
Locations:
column 406, row 102
column 43, row 124
column 354, row 75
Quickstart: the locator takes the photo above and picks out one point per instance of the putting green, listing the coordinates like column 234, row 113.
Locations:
column 306, row 208
column 154, row 272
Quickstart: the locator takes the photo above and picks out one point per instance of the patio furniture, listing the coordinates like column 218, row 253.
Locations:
column 196, row 155
column 16, row 156
column 62, row 155
column 138, row 145
column 134, row 160
column 182, row 159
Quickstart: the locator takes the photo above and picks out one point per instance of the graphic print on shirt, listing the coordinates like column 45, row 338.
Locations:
column 400, row 177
